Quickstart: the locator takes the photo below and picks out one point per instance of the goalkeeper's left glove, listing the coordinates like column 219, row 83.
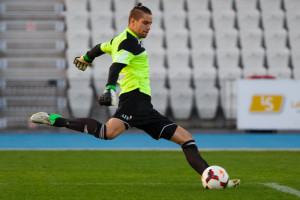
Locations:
column 81, row 63
column 108, row 98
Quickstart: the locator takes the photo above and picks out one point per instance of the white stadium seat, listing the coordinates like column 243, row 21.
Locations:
column 275, row 39
column 154, row 41
column 101, row 21
column 158, row 77
column 221, row 6
column 251, row 40
column 296, row 59
column 78, row 39
column 245, row 6
column 179, row 79
column 178, row 59
column 270, row 5
column 153, row 5
column 278, row 58
column 273, row 20
column 76, row 6
column 228, row 94
column 253, row 58
column 203, row 59
column 173, row 5
column 174, row 21
column 227, row 59
column 294, row 40
column 195, row 6
column 293, row 21
column 156, row 58
column 204, row 77
column 292, row 6
column 226, row 40
column 75, row 20
column 123, row 6
column 159, row 99
column 80, row 102
column 177, row 39
column 207, row 102
column 199, row 21
column 99, row 36
column 100, row 6
column 224, row 20
column 181, row 102
column 202, row 40
column 248, row 21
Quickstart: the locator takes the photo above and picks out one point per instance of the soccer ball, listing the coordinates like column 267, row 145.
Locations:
column 215, row 177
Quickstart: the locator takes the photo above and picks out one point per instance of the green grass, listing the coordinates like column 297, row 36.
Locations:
column 142, row 175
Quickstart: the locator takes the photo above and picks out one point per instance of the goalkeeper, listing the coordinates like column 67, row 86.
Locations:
column 130, row 66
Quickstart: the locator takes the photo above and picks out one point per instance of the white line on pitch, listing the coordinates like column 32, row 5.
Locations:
column 283, row 188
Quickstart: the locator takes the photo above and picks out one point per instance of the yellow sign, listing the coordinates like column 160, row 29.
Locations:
column 266, row 103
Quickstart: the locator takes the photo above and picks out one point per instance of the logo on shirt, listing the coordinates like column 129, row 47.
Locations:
column 126, row 117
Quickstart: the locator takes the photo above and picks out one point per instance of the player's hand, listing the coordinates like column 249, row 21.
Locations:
column 81, row 63
column 108, row 98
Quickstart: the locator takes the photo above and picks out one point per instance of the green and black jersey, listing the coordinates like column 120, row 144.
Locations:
column 128, row 50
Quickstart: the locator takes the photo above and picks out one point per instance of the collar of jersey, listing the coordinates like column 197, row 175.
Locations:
column 132, row 33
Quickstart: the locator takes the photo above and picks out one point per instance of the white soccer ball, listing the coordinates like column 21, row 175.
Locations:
column 215, row 177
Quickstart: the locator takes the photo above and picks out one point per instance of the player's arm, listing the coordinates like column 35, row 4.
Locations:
column 108, row 98
column 86, row 60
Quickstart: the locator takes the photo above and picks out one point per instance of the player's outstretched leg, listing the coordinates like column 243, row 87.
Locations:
column 86, row 125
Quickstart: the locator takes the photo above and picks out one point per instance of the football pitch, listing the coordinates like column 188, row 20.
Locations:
column 156, row 174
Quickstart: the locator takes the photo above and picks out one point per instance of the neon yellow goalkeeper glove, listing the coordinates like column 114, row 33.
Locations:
column 81, row 63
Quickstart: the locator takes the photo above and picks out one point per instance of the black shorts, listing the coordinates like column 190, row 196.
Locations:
column 135, row 110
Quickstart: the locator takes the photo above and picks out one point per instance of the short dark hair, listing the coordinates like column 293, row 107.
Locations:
column 138, row 11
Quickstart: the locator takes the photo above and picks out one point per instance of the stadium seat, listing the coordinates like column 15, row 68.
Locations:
column 270, row 5
column 80, row 102
column 293, row 21
column 278, row 58
column 195, row 6
column 248, row 21
column 283, row 73
column 294, row 40
column 75, row 20
column 273, row 20
column 253, row 58
column 291, row 6
column 199, row 21
column 156, row 59
column 99, row 72
column 295, row 57
column 227, row 59
column 158, row 77
column 207, row 102
column 228, row 94
column 173, row 6
column 275, row 39
column 100, row 6
column 159, row 99
column 203, row 58
column 174, row 21
column 226, row 40
column 177, row 39
column 121, row 22
column 78, row 39
column 181, row 102
column 154, row 41
column 229, row 74
column 251, row 40
column 179, row 79
column 255, row 71
column 156, row 21
column 76, row 6
column 204, row 77
column 224, row 20
column 202, row 39
column 153, row 5
column 101, row 21
column 245, row 6
column 102, row 36
column 178, row 59
column 221, row 6
column 122, row 7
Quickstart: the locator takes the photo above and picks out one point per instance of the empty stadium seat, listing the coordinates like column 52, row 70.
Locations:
column 173, row 5
column 78, row 39
column 275, row 39
column 199, row 21
column 181, row 102
column 273, row 20
column 123, row 6
column 228, row 95
column 203, row 58
column 174, row 21
column 255, row 71
column 248, row 21
column 226, row 40
column 227, row 58
column 177, row 39
column 284, row 73
column 270, row 5
column 80, row 102
column 202, row 39
column 204, row 77
column 159, row 100
column 221, row 6
column 158, row 77
column 293, row 21
column 294, row 40
column 100, row 6
column 153, row 5
column 156, row 59
column 245, row 6
column 224, row 20
column 291, row 6
column 207, row 102
column 253, row 58
column 121, row 22
column 156, row 21
column 251, row 40
column 154, row 41
column 180, row 79
column 195, row 6
column 100, row 36
column 178, row 59
column 75, row 20
column 278, row 58
column 99, row 72
column 101, row 21
column 295, row 57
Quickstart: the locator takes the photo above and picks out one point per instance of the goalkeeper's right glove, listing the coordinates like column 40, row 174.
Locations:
column 81, row 63
column 108, row 98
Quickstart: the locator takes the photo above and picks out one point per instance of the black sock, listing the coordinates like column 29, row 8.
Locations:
column 193, row 156
column 85, row 125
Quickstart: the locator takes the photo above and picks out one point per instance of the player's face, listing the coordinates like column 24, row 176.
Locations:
column 141, row 27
